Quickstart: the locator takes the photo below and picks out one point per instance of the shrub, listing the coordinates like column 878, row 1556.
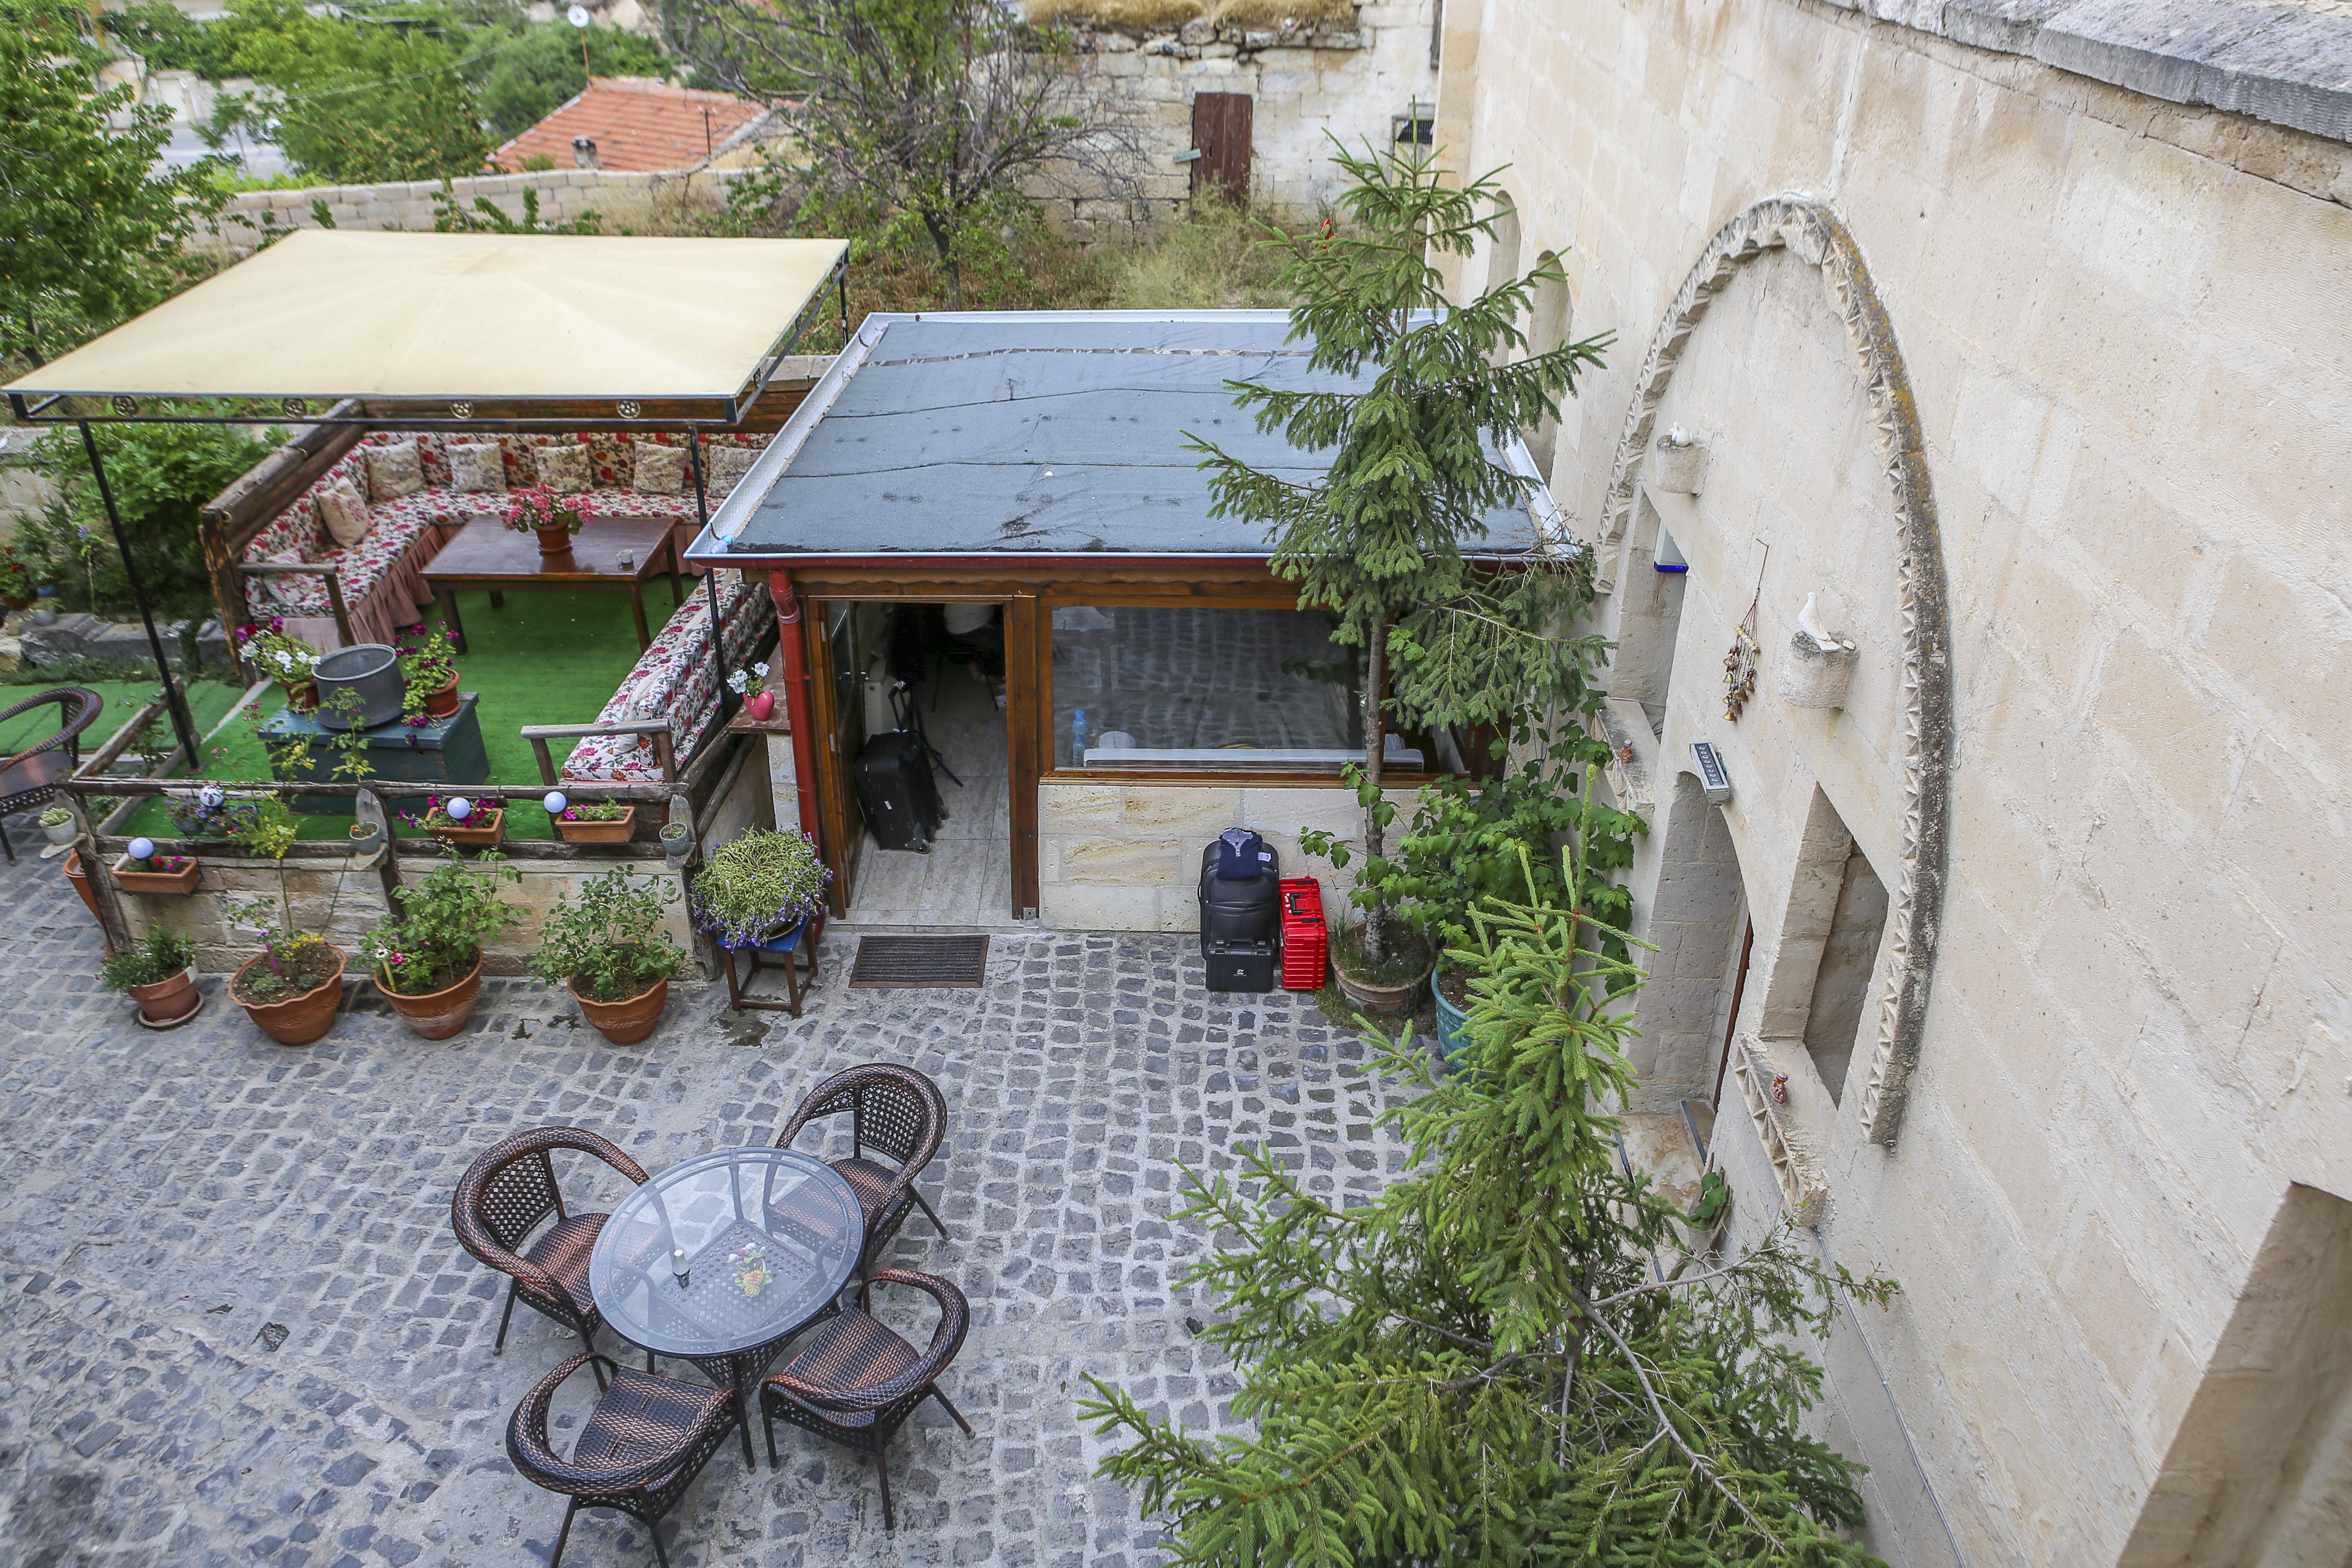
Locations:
column 759, row 885
column 443, row 920
column 610, row 946
column 162, row 955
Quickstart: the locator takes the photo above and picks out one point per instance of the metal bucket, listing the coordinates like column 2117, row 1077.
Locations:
column 370, row 669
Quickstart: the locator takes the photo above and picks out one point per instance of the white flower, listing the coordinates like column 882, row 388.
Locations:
column 736, row 683
column 761, row 670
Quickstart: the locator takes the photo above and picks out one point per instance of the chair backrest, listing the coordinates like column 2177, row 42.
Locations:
column 507, row 1194
column 893, row 1109
column 78, row 708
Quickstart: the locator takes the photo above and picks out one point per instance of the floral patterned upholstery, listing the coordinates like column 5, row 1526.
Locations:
column 678, row 680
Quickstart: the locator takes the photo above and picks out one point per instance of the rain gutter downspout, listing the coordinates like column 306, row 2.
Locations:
column 796, row 696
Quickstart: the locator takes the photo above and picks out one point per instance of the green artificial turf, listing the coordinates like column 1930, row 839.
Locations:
column 546, row 658
column 207, row 699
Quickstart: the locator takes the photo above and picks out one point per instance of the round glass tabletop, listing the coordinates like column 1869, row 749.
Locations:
column 726, row 1252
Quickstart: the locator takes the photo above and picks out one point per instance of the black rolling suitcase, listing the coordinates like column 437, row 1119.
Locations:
column 896, row 792
column 1241, row 918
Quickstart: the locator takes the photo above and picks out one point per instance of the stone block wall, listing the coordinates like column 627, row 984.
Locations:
column 1127, row 857
column 619, row 200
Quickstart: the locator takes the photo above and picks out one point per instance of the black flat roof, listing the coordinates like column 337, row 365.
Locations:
column 993, row 435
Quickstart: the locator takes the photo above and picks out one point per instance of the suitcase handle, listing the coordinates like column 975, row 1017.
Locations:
column 1293, row 903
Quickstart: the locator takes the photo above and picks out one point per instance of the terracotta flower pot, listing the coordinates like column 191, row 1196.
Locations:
column 167, row 1001
column 177, row 880
column 16, row 601
column 615, row 831
column 301, row 697
column 442, row 701
column 80, row 880
column 437, row 1015
column 482, row 827
column 1374, row 998
column 624, row 1022
column 555, row 539
column 298, row 1020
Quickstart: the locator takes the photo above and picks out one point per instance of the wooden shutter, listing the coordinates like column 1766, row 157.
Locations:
column 1221, row 131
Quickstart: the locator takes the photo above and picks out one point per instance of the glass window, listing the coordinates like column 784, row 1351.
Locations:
column 1180, row 687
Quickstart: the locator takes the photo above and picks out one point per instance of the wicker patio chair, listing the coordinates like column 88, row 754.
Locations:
column 648, row 1439
column 893, row 1110
column 28, row 781
column 505, row 1196
column 856, row 1382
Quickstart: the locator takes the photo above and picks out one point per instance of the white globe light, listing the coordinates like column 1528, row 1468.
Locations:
column 555, row 803
column 459, row 808
column 142, row 849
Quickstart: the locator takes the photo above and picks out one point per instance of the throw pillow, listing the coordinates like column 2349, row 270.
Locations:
column 478, row 466
column 660, row 470
column 343, row 513
column 394, row 470
column 724, row 467
column 564, row 470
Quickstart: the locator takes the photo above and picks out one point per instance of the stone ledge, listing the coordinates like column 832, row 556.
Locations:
column 2275, row 62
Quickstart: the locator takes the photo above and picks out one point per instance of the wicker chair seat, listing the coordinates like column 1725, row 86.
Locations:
column 564, row 1251
column 644, row 1417
column 853, row 1352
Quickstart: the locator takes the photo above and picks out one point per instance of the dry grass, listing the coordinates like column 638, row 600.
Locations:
column 1214, row 260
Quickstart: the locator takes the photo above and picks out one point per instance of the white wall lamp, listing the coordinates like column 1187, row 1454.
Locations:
column 1712, row 779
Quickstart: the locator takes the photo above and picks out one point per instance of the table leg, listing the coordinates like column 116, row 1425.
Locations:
column 637, row 608
column 445, row 600
column 498, row 600
column 677, row 588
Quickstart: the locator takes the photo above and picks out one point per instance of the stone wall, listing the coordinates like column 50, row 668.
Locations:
column 2081, row 353
column 619, row 200
column 1114, row 857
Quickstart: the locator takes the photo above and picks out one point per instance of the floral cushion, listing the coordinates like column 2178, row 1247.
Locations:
column 393, row 470
column 357, row 570
column 563, row 470
column 725, row 467
column 342, row 512
column 477, row 465
column 677, row 679
column 659, row 471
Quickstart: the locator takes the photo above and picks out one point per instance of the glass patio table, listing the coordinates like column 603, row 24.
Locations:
column 722, row 1258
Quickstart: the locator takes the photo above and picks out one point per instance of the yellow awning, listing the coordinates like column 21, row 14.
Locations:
column 324, row 314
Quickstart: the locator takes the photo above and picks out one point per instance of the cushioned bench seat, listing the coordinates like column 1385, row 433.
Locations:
column 678, row 680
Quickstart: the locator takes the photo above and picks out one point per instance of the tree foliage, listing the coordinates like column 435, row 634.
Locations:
column 908, row 116
column 89, row 230
column 531, row 75
column 1508, row 1356
column 1380, row 537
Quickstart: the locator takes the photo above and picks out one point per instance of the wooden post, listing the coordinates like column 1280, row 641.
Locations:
column 109, row 897
column 367, row 806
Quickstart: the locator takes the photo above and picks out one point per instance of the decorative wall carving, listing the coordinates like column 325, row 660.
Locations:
column 1806, row 227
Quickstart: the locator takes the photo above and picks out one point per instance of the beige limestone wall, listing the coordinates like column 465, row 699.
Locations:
column 619, row 200
column 1114, row 857
column 2128, row 326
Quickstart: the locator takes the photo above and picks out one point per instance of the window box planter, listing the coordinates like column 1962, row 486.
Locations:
column 172, row 874
column 614, row 831
column 482, row 827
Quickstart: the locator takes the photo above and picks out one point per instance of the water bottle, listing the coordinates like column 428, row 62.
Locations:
column 1078, row 739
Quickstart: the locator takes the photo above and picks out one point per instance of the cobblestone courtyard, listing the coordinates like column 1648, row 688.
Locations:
column 173, row 1204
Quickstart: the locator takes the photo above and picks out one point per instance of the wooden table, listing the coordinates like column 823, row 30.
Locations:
column 489, row 555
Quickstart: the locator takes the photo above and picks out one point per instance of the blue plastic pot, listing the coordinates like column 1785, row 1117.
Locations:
column 1453, row 1039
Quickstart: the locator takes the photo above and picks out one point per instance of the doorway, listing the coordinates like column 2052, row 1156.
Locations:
column 927, row 680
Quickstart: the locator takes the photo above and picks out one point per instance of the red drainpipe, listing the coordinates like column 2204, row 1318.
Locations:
column 796, row 696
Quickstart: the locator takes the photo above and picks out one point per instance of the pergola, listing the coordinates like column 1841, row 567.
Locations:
column 453, row 332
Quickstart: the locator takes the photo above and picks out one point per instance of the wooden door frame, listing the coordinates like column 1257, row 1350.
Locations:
column 838, row 841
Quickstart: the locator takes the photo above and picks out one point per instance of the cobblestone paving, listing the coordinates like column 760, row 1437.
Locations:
column 167, row 1197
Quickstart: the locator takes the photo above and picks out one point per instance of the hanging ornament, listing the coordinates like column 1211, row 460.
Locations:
column 1738, row 673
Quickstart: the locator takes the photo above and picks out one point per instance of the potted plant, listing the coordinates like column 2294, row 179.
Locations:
column 210, row 812
column 430, row 665
column 294, row 986
column 16, row 589
column 154, row 973
column 153, row 873
column 751, row 685
column 554, row 518
column 287, row 660
column 460, row 820
column 427, row 961
column 677, row 843
column 756, row 890
column 590, row 821
column 367, row 838
column 58, row 825
column 611, row 952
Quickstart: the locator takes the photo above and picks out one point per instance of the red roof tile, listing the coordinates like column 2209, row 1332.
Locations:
column 639, row 126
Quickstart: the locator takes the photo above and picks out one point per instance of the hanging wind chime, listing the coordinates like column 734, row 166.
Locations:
column 1739, row 664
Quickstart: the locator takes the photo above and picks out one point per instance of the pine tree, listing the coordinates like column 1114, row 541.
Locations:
column 1414, row 472
column 1509, row 1357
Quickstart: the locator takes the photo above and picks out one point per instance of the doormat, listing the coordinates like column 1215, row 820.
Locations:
column 906, row 962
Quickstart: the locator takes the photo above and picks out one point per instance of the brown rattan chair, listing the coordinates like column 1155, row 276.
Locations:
column 505, row 1196
column 893, row 1110
column 648, row 1439
column 856, row 1382
column 29, row 779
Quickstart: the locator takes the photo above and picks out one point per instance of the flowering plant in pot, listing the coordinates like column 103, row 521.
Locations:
column 427, row 960
column 294, row 986
column 460, row 819
column 155, row 973
column 590, row 821
column 760, row 887
column 751, row 685
column 611, row 952
column 142, row 869
column 212, row 813
column 16, row 587
column 554, row 518
column 287, row 660
column 430, row 666
column 57, row 825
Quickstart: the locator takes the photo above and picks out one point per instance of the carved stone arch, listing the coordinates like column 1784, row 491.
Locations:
column 1806, row 227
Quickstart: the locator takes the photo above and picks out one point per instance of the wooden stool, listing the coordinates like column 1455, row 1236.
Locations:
column 792, row 946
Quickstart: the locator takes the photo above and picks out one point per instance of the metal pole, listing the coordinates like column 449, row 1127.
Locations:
column 710, row 578
column 175, row 702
